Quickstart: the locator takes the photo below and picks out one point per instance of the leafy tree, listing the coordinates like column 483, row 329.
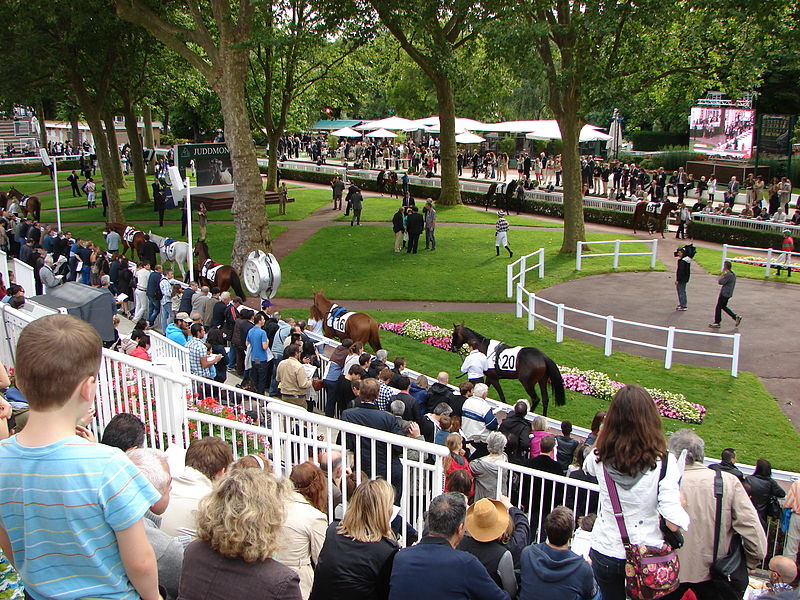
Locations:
column 214, row 38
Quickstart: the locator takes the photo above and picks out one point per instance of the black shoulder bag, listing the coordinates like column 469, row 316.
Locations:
column 729, row 572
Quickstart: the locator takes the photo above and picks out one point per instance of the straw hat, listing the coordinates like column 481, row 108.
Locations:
column 487, row 520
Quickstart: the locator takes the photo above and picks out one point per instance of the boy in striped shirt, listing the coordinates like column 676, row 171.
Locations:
column 70, row 510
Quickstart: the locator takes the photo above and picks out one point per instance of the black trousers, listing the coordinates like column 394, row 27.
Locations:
column 722, row 306
column 413, row 241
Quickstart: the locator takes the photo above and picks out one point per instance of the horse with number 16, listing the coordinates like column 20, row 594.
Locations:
column 341, row 323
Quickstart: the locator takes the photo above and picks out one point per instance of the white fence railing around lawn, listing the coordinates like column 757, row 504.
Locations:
column 528, row 302
column 516, row 271
column 616, row 251
column 764, row 257
column 733, row 221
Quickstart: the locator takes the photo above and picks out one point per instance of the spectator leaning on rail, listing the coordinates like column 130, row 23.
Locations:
column 478, row 420
column 738, row 518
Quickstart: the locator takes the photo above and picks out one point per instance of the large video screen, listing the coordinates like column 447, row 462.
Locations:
column 722, row 132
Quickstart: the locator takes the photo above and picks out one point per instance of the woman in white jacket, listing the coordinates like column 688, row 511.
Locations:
column 631, row 447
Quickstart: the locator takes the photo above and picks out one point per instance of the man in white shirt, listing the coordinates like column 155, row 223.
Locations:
column 478, row 421
column 475, row 364
column 140, row 294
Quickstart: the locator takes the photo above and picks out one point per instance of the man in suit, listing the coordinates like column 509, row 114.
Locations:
column 73, row 181
column 415, row 225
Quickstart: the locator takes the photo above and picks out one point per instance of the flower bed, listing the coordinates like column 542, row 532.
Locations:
column 762, row 262
column 210, row 406
column 672, row 405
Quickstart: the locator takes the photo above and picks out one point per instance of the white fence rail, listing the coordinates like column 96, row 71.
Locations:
column 732, row 221
column 771, row 259
column 163, row 347
column 616, row 252
column 23, row 275
column 527, row 302
column 516, row 271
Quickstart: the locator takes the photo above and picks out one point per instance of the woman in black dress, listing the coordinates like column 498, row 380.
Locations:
column 124, row 284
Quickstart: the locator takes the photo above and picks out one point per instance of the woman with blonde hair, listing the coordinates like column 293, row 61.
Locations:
column 303, row 532
column 238, row 525
column 356, row 560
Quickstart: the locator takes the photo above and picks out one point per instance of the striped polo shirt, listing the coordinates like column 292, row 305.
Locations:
column 61, row 505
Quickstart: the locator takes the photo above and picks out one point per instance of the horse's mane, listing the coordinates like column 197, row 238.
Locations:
column 471, row 333
column 316, row 313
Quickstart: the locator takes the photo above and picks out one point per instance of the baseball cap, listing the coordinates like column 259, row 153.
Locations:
column 182, row 316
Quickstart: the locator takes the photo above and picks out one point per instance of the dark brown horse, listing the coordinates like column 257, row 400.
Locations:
column 529, row 365
column 214, row 274
column 32, row 205
column 659, row 218
column 131, row 237
column 338, row 322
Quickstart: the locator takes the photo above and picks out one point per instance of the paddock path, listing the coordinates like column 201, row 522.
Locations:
column 647, row 297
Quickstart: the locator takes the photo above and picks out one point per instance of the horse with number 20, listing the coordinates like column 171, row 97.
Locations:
column 527, row 364
column 341, row 323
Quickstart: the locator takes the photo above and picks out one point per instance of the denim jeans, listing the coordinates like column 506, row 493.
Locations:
column 610, row 575
column 153, row 309
column 430, row 239
column 682, row 293
column 166, row 315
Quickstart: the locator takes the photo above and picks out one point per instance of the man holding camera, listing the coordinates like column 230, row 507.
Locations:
column 682, row 276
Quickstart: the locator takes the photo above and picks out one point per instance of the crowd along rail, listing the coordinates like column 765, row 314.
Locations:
column 734, row 221
column 616, row 253
column 516, row 271
column 527, row 302
column 771, row 259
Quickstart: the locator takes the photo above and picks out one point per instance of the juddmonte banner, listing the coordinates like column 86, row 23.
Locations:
column 212, row 163
column 775, row 134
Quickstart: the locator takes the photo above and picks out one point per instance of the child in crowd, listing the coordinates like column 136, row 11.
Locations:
column 71, row 516
column 444, row 432
column 582, row 540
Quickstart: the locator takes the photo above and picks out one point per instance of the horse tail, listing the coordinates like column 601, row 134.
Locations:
column 236, row 285
column 374, row 336
column 556, row 380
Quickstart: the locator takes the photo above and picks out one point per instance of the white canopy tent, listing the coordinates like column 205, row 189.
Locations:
column 469, row 138
column 549, row 130
column 346, row 132
column 381, row 133
column 431, row 125
column 392, row 123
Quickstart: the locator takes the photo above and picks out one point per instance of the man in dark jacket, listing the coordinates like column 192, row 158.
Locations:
column 439, row 392
column 149, row 250
column 356, row 202
column 398, row 228
column 682, row 276
column 551, row 571
column 154, row 294
column 728, row 464
column 186, row 298
column 219, row 308
column 434, row 568
column 415, row 224
column 241, row 328
column 517, row 430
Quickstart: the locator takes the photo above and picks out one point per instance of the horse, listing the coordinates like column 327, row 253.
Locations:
column 31, row 204
column 338, row 322
column 641, row 209
column 214, row 274
column 173, row 252
column 529, row 365
column 220, row 175
column 131, row 237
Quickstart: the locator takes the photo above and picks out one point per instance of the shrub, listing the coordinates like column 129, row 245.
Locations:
column 35, row 166
column 740, row 236
column 650, row 141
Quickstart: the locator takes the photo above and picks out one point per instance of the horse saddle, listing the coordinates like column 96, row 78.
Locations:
column 209, row 270
column 24, row 200
column 653, row 207
column 129, row 234
column 169, row 249
column 502, row 357
column 337, row 317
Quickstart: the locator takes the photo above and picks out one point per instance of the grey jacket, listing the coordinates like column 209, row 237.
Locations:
column 728, row 282
column 49, row 279
column 169, row 557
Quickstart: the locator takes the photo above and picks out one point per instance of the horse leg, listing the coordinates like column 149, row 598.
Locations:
column 543, row 386
column 495, row 383
column 530, row 387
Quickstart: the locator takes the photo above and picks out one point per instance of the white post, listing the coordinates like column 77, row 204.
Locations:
column 578, row 256
column 55, row 189
column 670, row 346
column 560, row 324
column 724, row 256
column 541, row 263
column 737, row 338
column 616, row 254
column 531, row 311
column 189, row 226
column 522, row 266
column 510, row 281
column 609, row 334
column 653, row 256
column 518, row 302
column 769, row 260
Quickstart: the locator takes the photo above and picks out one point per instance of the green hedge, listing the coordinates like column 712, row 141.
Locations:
column 35, row 166
column 650, row 141
column 739, row 236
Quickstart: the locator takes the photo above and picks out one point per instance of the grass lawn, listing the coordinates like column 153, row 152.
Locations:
column 711, row 261
column 365, row 266
column 737, row 407
column 382, row 209
column 220, row 237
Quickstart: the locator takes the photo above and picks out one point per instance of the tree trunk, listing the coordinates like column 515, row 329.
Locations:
column 272, row 160
column 137, row 158
column 149, row 142
column 113, row 148
column 76, row 133
column 42, row 125
column 115, row 214
column 574, row 230
column 451, row 187
column 252, row 227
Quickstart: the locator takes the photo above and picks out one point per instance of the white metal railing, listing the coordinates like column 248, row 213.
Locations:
column 23, row 275
column 524, row 266
column 769, row 261
column 616, row 253
column 734, row 221
column 527, row 302
column 163, row 347
column 35, row 161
